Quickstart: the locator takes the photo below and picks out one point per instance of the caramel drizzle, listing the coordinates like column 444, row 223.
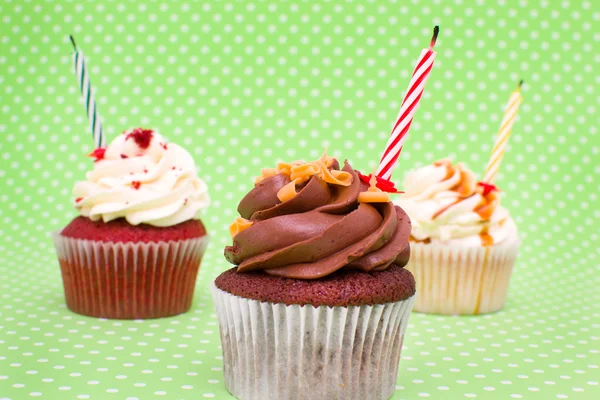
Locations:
column 463, row 187
column 486, row 238
column 424, row 241
column 464, row 190
column 443, row 209
column 487, row 205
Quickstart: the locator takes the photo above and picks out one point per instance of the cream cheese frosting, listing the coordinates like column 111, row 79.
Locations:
column 445, row 204
column 144, row 179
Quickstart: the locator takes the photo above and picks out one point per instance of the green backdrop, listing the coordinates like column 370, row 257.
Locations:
column 243, row 85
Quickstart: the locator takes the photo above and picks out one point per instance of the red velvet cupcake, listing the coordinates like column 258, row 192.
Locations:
column 135, row 251
column 319, row 300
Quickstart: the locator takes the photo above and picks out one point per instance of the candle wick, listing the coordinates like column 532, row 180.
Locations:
column 436, row 31
column 520, row 84
column 73, row 42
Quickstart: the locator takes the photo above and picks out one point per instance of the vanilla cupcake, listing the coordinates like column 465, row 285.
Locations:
column 463, row 242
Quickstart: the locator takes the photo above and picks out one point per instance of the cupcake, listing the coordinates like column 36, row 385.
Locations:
column 464, row 243
column 319, row 300
column 135, row 249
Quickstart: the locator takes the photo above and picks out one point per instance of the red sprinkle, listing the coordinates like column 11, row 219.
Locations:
column 164, row 146
column 77, row 200
column 97, row 154
column 383, row 184
column 173, row 168
column 488, row 188
column 145, row 171
column 124, row 156
column 185, row 202
column 136, row 184
column 142, row 137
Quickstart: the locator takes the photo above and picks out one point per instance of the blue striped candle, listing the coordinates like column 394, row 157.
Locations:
column 87, row 93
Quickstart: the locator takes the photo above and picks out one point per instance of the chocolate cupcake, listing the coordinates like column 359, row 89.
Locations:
column 319, row 301
column 135, row 250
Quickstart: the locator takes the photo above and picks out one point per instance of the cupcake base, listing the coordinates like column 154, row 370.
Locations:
column 462, row 280
column 279, row 351
column 129, row 280
column 342, row 288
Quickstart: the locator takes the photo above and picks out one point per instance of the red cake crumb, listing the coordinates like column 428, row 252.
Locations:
column 119, row 230
column 97, row 154
column 383, row 184
column 487, row 188
column 136, row 184
column 343, row 288
column 141, row 136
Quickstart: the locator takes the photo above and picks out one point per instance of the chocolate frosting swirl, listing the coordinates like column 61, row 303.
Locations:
column 319, row 231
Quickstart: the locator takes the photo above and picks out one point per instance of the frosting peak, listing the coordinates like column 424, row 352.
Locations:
column 138, row 142
column 144, row 179
column 445, row 203
column 324, row 227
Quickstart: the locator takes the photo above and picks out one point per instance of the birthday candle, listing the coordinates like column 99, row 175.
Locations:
column 407, row 110
column 87, row 93
column 505, row 128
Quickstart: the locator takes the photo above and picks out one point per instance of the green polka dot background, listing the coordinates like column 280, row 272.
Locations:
column 242, row 85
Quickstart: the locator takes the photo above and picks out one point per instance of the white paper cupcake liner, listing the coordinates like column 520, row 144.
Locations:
column 129, row 280
column 462, row 280
column 276, row 351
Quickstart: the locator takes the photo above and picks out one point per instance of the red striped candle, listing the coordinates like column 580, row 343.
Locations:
column 407, row 110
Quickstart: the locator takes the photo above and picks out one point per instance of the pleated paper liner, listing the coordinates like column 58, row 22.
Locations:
column 462, row 280
column 275, row 351
column 129, row 280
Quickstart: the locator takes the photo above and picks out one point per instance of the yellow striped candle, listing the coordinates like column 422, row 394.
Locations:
column 505, row 128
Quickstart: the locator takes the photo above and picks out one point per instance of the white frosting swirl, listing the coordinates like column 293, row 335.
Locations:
column 441, row 201
column 143, row 179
